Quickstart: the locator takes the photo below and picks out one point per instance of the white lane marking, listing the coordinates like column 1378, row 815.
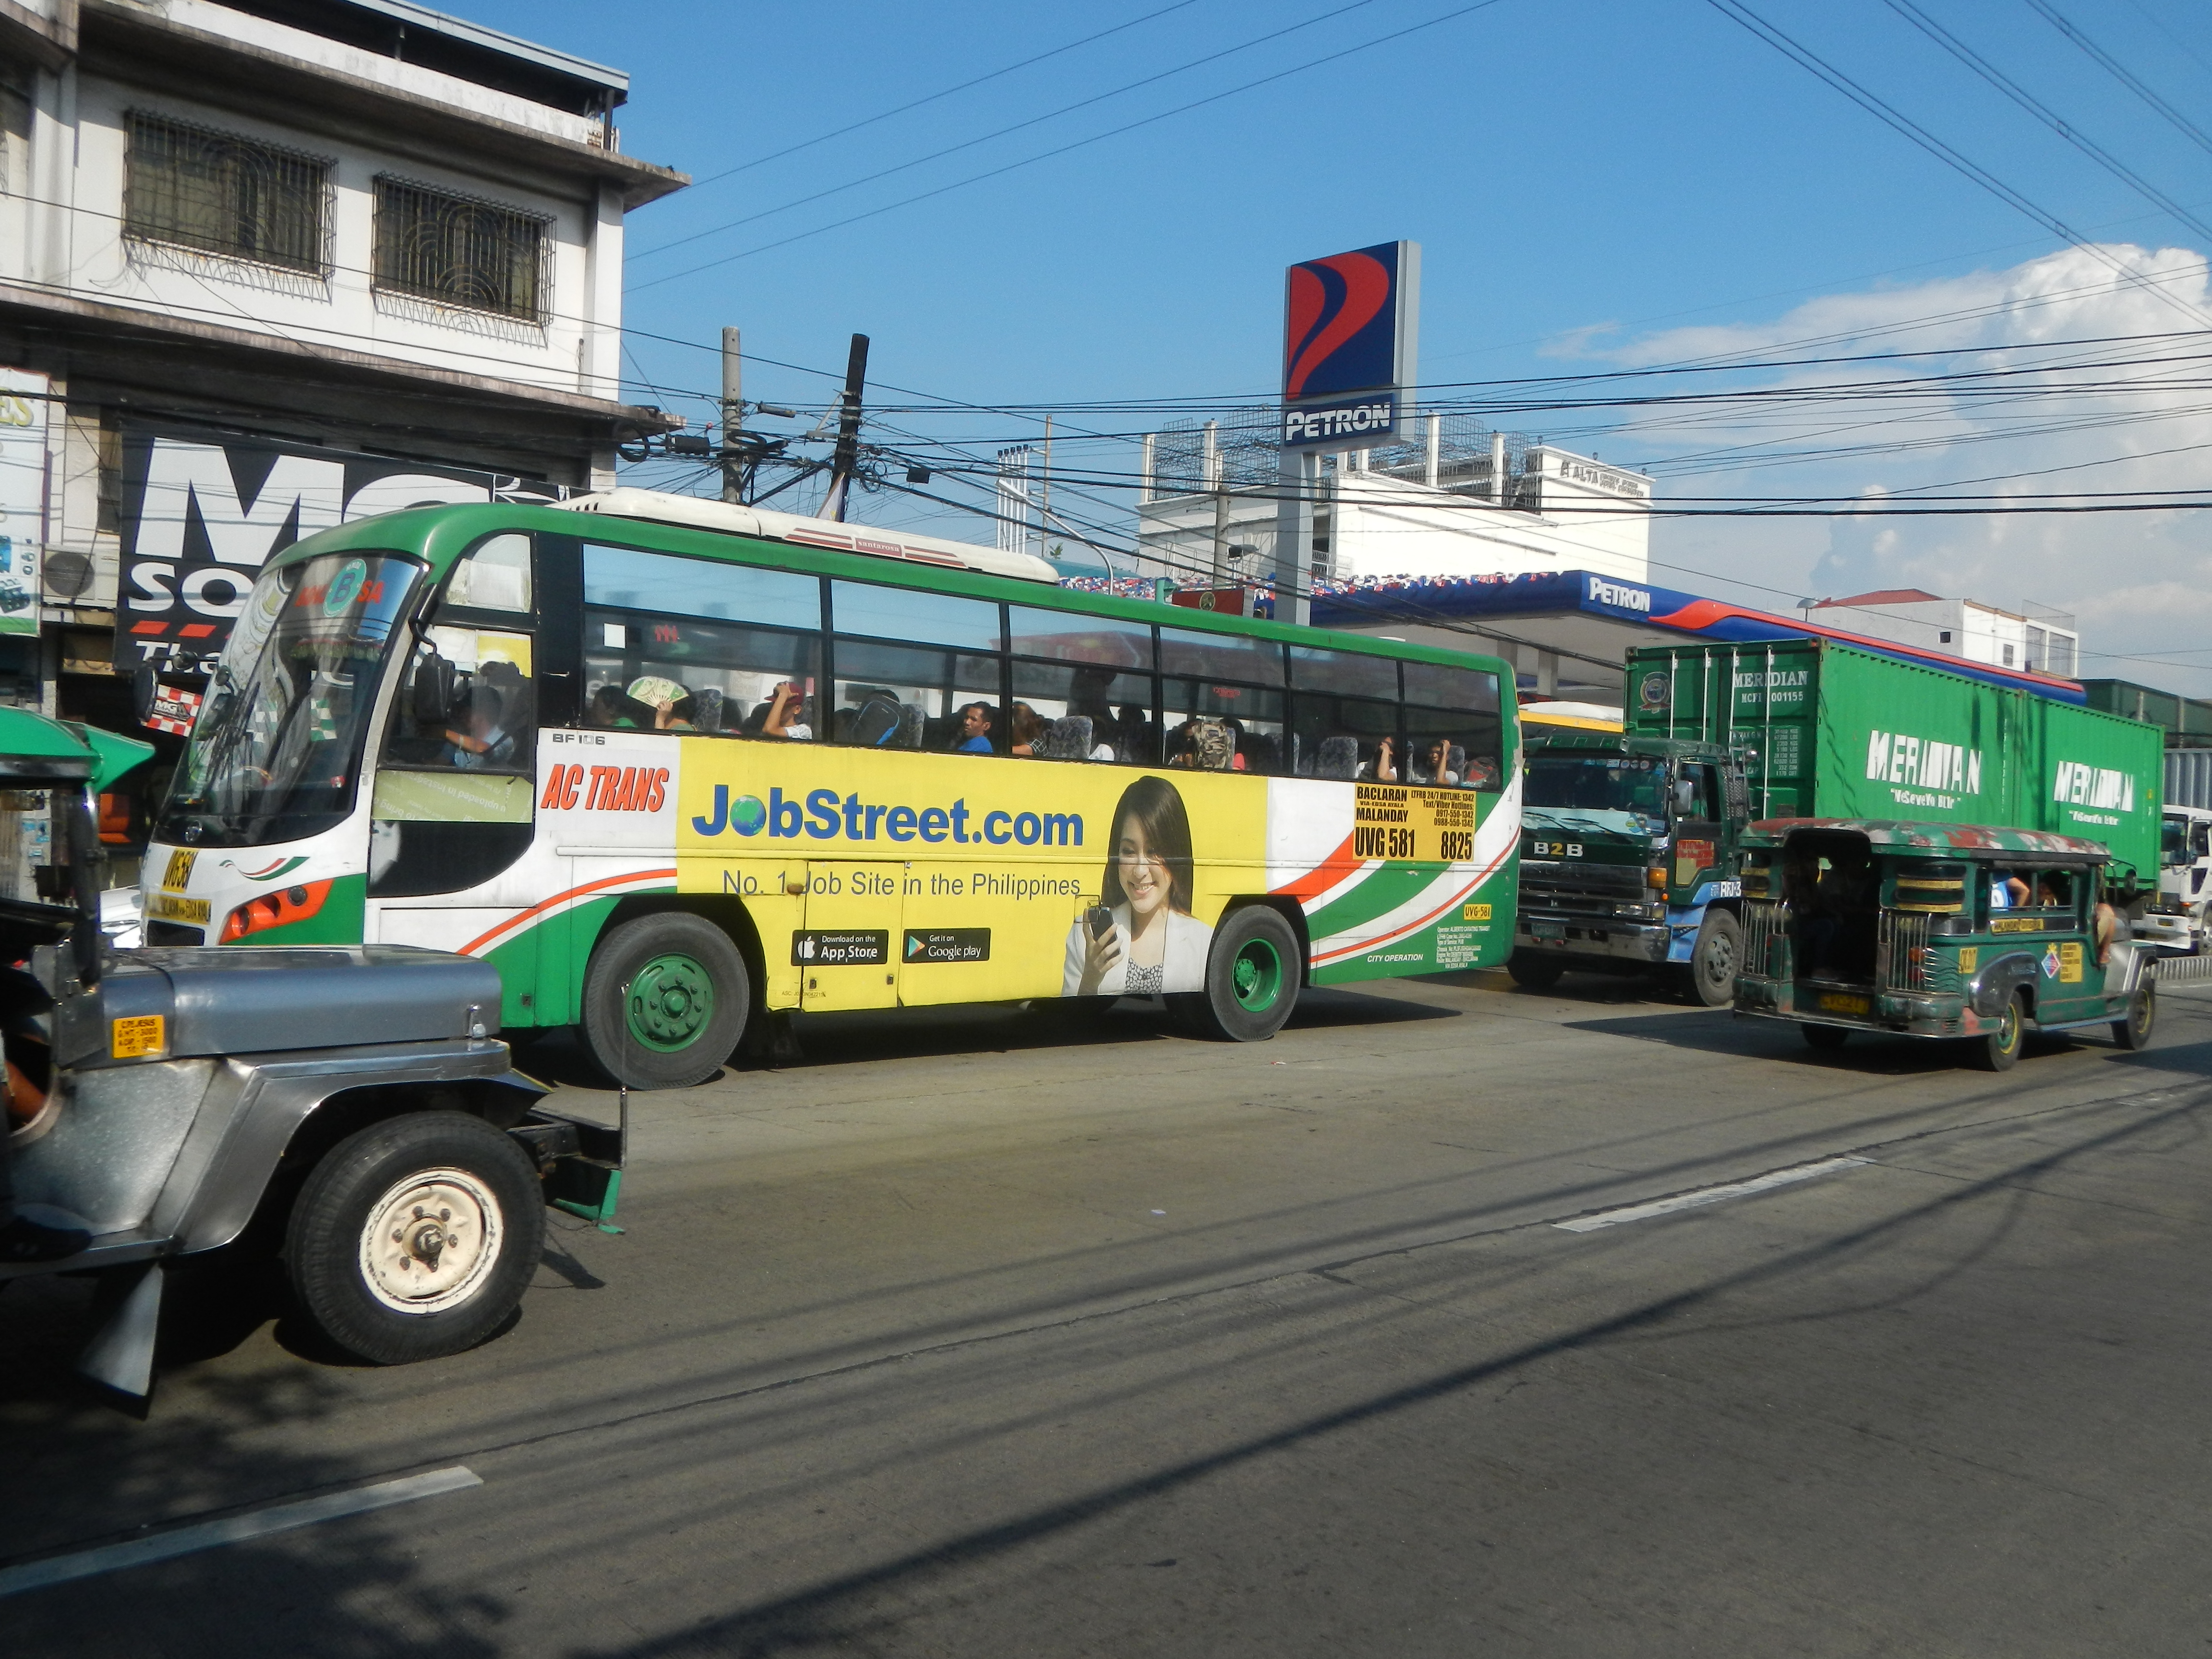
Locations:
column 1591, row 1224
column 257, row 1523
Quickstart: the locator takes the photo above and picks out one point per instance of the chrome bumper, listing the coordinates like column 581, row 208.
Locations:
column 1600, row 937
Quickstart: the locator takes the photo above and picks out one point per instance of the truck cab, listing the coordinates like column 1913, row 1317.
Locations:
column 1628, row 860
column 2175, row 920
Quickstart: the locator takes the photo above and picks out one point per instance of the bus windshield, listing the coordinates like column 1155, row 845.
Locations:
column 1610, row 789
column 275, row 749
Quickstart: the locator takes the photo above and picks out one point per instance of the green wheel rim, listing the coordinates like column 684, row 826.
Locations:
column 670, row 1001
column 1257, row 974
column 2008, row 1032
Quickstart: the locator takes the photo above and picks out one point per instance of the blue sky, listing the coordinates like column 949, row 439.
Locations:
column 1593, row 186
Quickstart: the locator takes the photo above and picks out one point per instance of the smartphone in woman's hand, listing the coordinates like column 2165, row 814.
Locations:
column 1101, row 921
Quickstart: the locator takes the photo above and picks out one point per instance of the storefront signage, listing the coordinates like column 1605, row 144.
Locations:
column 202, row 511
column 25, row 473
column 1350, row 324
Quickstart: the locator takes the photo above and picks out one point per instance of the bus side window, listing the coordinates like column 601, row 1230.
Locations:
column 675, row 674
column 1462, row 704
column 468, row 702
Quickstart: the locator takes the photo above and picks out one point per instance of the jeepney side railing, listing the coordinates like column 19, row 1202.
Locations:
column 1901, row 957
column 1764, row 921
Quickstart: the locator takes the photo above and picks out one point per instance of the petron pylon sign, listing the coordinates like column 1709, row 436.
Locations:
column 1351, row 331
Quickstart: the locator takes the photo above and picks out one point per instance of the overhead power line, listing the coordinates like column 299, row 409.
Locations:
column 1736, row 11
column 2126, row 77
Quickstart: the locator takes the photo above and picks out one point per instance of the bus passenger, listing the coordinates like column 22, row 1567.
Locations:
column 1028, row 731
column 974, row 729
column 787, row 715
column 1384, row 769
column 1435, row 764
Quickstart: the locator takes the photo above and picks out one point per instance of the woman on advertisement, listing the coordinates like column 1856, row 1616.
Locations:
column 1141, row 939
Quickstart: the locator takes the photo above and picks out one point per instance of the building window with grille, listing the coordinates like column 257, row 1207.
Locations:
column 460, row 252
column 220, row 194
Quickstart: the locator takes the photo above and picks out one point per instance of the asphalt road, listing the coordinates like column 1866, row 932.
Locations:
column 971, row 1337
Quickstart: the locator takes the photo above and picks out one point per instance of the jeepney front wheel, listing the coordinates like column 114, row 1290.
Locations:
column 2000, row 1050
column 665, row 1000
column 2134, row 1031
column 416, row 1236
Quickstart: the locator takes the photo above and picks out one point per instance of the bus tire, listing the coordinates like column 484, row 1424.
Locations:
column 415, row 1236
column 1532, row 972
column 2133, row 1029
column 2000, row 1050
column 1716, row 959
column 665, row 1000
column 1252, row 972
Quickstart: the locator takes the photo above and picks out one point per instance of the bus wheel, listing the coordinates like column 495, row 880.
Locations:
column 665, row 1000
column 2134, row 1031
column 1251, row 978
column 2000, row 1050
column 416, row 1236
column 1715, row 959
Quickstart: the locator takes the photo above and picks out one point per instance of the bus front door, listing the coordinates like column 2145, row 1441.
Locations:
column 847, row 948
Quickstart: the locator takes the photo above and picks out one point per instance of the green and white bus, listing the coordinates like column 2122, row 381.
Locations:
column 671, row 764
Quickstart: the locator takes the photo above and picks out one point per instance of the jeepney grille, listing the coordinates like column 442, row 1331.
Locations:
column 1904, row 951
column 1764, row 922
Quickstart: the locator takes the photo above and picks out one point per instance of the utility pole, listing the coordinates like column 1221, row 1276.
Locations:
column 848, row 453
column 1044, row 496
column 733, row 412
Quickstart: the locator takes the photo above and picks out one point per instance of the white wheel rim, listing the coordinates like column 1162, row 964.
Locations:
column 430, row 1241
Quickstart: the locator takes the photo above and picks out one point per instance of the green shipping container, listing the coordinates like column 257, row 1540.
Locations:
column 1837, row 732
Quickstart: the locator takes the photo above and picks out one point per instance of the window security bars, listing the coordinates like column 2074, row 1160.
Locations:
column 1764, row 922
column 219, row 194
column 1903, row 951
column 460, row 252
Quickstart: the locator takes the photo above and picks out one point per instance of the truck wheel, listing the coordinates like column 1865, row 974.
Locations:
column 416, row 1236
column 2000, row 1050
column 665, row 1000
column 1825, row 1038
column 1716, row 959
column 1532, row 972
column 1251, row 978
column 2134, row 1031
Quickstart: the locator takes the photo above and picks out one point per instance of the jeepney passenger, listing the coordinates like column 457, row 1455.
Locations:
column 2007, row 890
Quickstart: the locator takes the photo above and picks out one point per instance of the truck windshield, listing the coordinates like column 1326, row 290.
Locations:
column 2173, row 842
column 273, row 753
column 1632, row 784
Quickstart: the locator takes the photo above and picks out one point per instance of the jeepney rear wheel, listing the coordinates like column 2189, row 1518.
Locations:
column 1252, row 973
column 2133, row 1031
column 665, row 1000
column 2000, row 1050
column 1532, row 972
column 415, row 1236
column 1716, row 959
column 1825, row 1037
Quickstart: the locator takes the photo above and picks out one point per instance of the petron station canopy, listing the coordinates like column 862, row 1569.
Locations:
column 1588, row 623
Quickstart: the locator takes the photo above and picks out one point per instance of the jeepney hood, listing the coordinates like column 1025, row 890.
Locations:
column 170, row 1003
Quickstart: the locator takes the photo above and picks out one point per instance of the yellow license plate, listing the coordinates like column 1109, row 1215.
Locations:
column 1836, row 1002
column 168, row 907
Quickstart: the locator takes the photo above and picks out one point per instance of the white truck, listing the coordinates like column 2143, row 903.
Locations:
column 2176, row 921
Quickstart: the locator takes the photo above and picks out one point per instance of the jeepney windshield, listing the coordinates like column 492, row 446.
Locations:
column 1622, row 792
column 275, row 749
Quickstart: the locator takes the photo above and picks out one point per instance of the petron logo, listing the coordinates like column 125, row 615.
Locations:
column 1340, row 323
column 1603, row 591
column 821, row 814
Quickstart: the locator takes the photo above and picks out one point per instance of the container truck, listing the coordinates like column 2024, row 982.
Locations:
column 1629, row 845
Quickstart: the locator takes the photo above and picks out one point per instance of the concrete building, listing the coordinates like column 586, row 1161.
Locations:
column 2044, row 640
column 1463, row 501
column 266, row 265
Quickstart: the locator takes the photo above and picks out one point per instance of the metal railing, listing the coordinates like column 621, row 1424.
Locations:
column 1901, row 951
column 1764, row 921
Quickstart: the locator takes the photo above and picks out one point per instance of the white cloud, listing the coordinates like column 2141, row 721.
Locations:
column 2140, row 582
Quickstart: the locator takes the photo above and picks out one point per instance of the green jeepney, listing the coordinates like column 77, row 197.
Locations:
column 1936, row 930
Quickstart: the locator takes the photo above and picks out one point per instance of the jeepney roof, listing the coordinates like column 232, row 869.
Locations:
column 1904, row 837
column 34, row 748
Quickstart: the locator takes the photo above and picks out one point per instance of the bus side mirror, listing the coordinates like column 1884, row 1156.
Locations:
column 433, row 690
column 145, row 683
